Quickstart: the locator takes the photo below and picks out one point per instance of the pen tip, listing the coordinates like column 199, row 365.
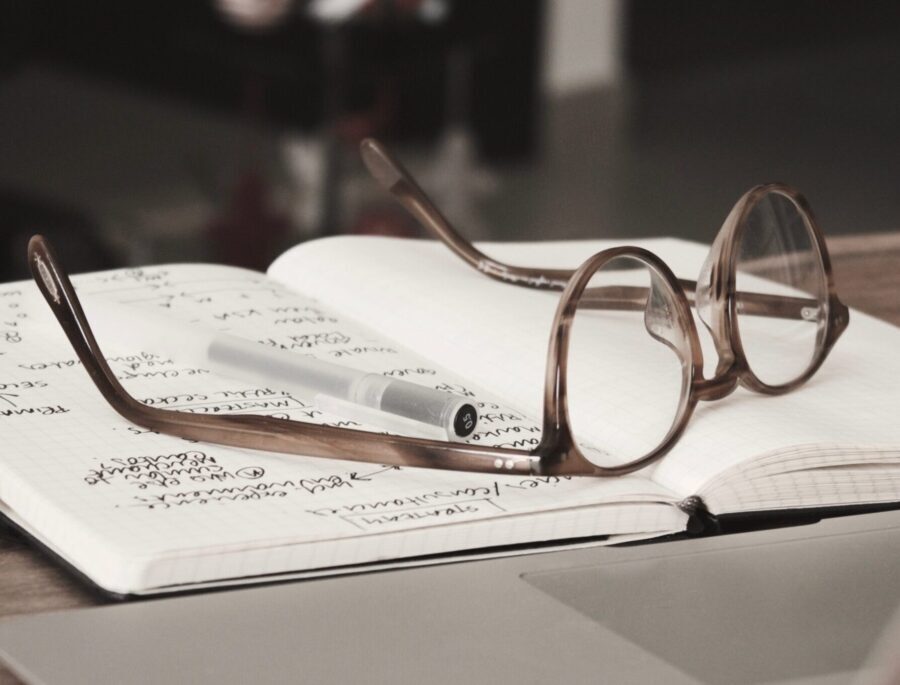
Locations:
column 465, row 421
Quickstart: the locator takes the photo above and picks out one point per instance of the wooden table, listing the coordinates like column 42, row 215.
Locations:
column 867, row 269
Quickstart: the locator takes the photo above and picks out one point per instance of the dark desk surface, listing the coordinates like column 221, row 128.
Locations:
column 868, row 277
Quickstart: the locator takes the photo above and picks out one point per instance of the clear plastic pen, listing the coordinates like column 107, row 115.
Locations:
column 337, row 387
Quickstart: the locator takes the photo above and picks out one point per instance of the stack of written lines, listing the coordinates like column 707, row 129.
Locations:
column 136, row 512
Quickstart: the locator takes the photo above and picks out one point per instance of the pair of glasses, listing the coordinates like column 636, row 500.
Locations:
column 624, row 364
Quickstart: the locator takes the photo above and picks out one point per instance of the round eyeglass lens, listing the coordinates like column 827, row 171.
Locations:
column 628, row 363
column 781, row 297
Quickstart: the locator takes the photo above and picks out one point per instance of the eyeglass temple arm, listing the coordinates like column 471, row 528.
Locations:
column 394, row 178
column 623, row 297
column 255, row 432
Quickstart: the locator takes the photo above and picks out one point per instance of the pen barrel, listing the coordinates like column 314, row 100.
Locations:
column 246, row 360
column 250, row 361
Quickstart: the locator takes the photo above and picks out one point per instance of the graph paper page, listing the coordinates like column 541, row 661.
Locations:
column 134, row 509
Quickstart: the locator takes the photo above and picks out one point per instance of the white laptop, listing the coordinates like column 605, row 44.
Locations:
column 805, row 604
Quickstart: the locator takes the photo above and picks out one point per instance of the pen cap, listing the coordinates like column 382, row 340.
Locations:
column 119, row 326
column 226, row 355
column 250, row 361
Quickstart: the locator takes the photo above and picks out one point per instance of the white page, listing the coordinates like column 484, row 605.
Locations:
column 498, row 334
column 134, row 509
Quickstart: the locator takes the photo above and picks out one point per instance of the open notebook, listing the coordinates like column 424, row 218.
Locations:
column 137, row 512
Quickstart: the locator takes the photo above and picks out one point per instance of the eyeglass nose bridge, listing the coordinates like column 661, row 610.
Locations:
column 710, row 389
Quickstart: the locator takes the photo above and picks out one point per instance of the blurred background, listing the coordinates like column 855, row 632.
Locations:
column 227, row 130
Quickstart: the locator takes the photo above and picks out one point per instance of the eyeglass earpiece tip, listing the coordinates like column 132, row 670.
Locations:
column 40, row 260
column 46, row 278
column 36, row 242
column 380, row 164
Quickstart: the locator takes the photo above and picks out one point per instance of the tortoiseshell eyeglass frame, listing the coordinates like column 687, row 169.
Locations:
column 716, row 293
column 557, row 452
